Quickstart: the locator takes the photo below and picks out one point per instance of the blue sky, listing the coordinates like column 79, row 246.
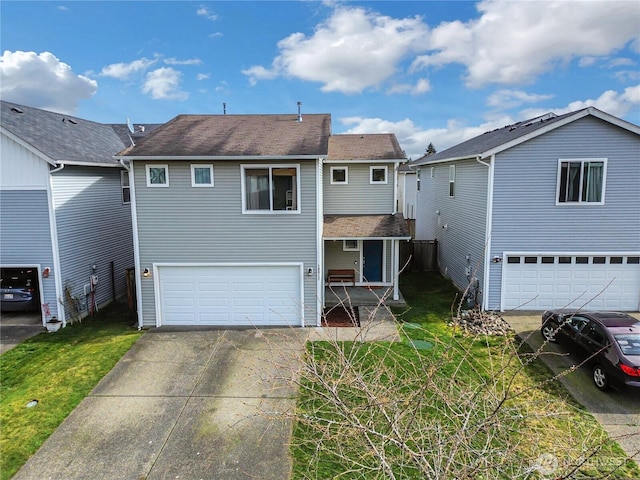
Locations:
column 428, row 71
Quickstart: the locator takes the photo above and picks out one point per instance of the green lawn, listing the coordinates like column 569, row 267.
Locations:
column 59, row 370
column 448, row 406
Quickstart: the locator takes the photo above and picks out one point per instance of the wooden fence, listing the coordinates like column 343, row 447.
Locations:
column 419, row 255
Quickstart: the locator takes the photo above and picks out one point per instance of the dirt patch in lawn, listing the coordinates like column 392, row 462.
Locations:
column 340, row 317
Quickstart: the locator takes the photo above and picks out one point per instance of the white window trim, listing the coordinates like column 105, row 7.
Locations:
column 452, row 169
column 346, row 175
column 123, row 186
column 245, row 210
column 193, row 176
column 386, row 174
column 582, row 161
column 166, row 174
column 346, row 248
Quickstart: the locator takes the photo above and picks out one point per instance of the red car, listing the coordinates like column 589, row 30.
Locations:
column 611, row 341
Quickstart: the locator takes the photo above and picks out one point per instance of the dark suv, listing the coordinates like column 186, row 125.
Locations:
column 18, row 289
column 610, row 339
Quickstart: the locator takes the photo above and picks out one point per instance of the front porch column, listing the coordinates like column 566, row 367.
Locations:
column 395, row 262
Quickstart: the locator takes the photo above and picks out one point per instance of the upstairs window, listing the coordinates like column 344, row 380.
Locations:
column 581, row 181
column 452, row 180
column 339, row 175
column 202, row 175
column 268, row 189
column 157, row 176
column 378, row 175
column 124, row 185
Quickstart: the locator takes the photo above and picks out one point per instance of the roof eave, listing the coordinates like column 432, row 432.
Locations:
column 371, row 160
column 168, row 158
column 368, row 238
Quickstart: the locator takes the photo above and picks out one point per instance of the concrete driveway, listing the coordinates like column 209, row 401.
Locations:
column 618, row 412
column 183, row 404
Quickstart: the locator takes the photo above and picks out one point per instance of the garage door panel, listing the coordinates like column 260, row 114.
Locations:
column 596, row 286
column 230, row 295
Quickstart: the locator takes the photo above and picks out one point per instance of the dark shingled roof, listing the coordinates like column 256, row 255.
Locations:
column 365, row 226
column 236, row 136
column 493, row 139
column 379, row 146
column 139, row 131
column 62, row 138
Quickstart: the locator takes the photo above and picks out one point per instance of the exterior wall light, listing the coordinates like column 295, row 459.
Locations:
column 146, row 272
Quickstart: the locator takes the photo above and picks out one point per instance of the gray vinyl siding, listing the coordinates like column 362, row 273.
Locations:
column 464, row 216
column 358, row 197
column 94, row 228
column 525, row 215
column 26, row 238
column 184, row 224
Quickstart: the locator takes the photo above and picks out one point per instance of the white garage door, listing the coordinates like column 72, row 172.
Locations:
column 237, row 295
column 592, row 282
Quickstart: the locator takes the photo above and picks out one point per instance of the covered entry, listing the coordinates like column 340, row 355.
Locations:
column 230, row 295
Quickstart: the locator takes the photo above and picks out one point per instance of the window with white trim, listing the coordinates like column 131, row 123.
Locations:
column 201, row 175
column 270, row 189
column 377, row 175
column 157, row 175
column 452, row 180
column 581, row 181
column 350, row 246
column 124, row 185
column 339, row 175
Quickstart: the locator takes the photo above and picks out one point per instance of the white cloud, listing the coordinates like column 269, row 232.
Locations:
column 122, row 71
column 203, row 76
column 506, row 99
column 190, row 61
column 514, row 42
column 615, row 103
column 206, row 13
column 352, row 50
column 421, row 86
column 42, row 81
column 164, row 84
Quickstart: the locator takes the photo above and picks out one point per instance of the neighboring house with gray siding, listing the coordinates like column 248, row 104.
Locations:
column 230, row 216
column 542, row 214
column 64, row 209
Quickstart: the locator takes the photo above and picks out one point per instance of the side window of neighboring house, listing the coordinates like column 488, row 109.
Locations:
column 124, row 185
column 270, row 189
column 452, row 180
column 202, row 175
column 339, row 175
column 157, row 175
column 378, row 175
column 581, row 181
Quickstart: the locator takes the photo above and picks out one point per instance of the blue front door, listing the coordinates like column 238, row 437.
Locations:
column 372, row 259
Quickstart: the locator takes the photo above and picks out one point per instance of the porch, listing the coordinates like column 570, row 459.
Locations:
column 362, row 296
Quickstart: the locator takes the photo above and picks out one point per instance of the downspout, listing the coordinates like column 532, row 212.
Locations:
column 136, row 243
column 489, row 221
column 319, row 241
column 395, row 187
column 57, row 274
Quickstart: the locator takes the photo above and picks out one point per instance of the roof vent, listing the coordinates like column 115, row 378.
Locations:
column 16, row 110
column 224, row 108
column 299, row 112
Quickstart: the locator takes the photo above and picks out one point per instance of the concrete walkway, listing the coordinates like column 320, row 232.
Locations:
column 192, row 404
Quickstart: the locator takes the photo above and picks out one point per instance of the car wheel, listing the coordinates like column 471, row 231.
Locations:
column 549, row 332
column 600, row 378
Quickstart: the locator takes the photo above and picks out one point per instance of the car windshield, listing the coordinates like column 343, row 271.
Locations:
column 629, row 343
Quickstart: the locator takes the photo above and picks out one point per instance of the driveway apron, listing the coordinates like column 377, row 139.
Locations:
column 203, row 404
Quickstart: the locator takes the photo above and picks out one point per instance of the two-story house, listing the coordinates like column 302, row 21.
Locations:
column 542, row 214
column 65, row 219
column 230, row 218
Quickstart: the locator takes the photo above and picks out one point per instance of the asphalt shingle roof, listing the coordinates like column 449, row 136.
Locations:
column 378, row 146
column 493, row 139
column 237, row 136
column 62, row 138
column 365, row 226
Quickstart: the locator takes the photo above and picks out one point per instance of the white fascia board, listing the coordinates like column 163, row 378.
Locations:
column 570, row 253
column 91, row 164
column 265, row 158
column 28, row 146
column 384, row 160
column 367, row 238
column 447, row 160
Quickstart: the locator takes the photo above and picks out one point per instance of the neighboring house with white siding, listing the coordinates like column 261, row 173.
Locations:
column 542, row 214
column 238, row 219
column 64, row 209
